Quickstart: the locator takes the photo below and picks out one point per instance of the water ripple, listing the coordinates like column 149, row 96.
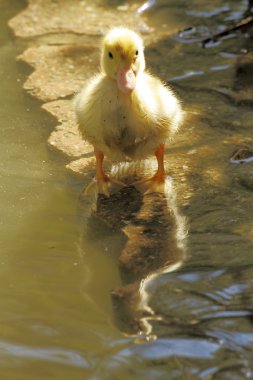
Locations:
column 165, row 348
column 206, row 14
column 228, row 314
column 187, row 75
column 146, row 6
column 53, row 355
column 240, row 339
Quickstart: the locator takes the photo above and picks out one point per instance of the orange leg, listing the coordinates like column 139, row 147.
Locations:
column 159, row 153
column 154, row 184
column 102, row 181
column 100, row 174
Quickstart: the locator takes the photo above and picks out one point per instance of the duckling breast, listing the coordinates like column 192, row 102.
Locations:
column 126, row 126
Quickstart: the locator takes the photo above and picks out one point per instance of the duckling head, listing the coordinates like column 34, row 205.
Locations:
column 122, row 57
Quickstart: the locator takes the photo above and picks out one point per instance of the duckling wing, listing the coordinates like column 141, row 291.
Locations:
column 159, row 104
column 96, row 116
column 87, row 105
column 155, row 116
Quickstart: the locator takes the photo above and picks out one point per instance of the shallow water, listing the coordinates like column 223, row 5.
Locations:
column 56, row 316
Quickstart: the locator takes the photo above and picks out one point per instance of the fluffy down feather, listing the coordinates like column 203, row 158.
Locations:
column 126, row 126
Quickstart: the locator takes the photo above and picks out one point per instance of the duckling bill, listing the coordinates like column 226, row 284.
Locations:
column 124, row 112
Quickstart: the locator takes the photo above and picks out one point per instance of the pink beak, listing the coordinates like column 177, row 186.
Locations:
column 126, row 80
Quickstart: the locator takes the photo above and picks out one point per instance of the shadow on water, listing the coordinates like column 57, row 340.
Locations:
column 154, row 244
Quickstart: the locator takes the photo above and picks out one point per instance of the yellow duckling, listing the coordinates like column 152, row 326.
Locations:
column 125, row 112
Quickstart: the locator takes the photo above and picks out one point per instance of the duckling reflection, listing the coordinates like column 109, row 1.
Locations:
column 155, row 235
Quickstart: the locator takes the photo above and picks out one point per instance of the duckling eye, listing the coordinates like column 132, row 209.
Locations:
column 110, row 55
column 137, row 52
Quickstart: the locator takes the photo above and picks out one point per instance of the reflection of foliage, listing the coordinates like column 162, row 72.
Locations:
column 211, row 33
column 244, row 24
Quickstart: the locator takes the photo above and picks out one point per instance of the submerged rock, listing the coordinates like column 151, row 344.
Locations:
column 242, row 155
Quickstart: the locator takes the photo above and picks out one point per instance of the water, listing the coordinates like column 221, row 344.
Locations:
column 56, row 315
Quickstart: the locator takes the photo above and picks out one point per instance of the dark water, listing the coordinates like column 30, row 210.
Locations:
column 56, row 315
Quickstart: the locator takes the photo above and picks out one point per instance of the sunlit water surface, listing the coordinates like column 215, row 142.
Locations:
column 56, row 318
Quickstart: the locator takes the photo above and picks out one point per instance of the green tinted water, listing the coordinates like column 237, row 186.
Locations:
column 56, row 318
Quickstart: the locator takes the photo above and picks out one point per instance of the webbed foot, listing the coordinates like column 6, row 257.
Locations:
column 105, row 186
column 154, row 184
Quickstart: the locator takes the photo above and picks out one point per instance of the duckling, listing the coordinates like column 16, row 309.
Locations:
column 125, row 112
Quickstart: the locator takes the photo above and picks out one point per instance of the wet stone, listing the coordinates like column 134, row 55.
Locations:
column 242, row 155
column 66, row 137
column 80, row 17
column 60, row 71
column 82, row 166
